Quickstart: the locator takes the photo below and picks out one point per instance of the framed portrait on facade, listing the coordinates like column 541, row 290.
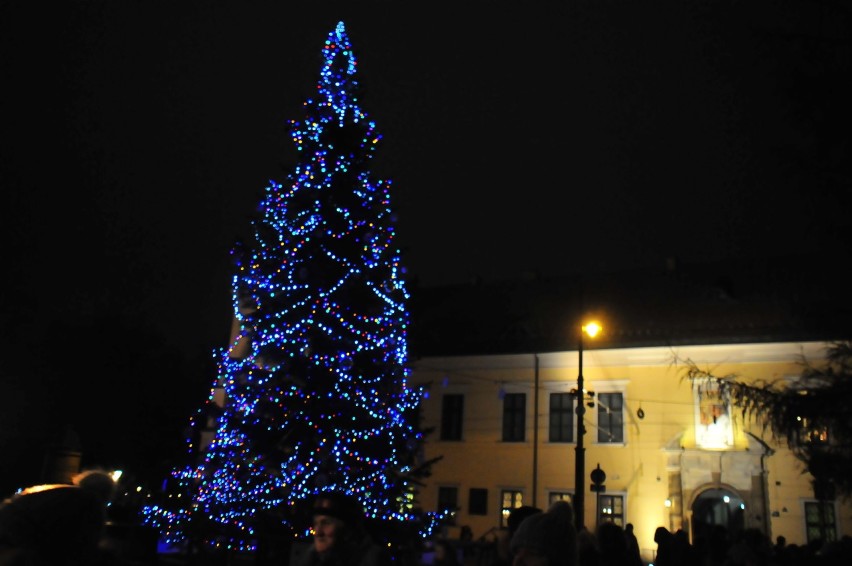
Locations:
column 713, row 417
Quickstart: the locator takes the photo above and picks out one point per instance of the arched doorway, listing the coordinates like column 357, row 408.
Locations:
column 716, row 509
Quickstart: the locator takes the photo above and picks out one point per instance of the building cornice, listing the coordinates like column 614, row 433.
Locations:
column 783, row 352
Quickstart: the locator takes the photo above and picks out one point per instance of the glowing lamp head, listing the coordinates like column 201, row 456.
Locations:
column 592, row 329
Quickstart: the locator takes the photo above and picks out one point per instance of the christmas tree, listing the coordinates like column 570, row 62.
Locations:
column 312, row 394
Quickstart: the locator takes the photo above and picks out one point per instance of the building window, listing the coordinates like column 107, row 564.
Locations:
column 555, row 496
column 448, row 501
column 510, row 499
column 811, row 433
column 820, row 522
column 452, row 413
column 514, row 416
column 611, row 509
column 561, row 417
column 478, row 501
column 610, row 418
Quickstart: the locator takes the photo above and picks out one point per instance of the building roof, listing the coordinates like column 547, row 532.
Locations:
column 791, row 298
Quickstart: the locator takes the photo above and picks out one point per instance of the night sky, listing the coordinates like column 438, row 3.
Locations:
column 555, row 137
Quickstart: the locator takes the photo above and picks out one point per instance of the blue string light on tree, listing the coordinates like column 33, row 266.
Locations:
column 313, row 392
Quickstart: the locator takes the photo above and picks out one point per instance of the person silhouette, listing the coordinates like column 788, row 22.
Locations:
column 546, row 539
column 339, row 535
column 612, row 545
column 634, row 556
column 516, row 516
column 665, row 547
column 57, row 524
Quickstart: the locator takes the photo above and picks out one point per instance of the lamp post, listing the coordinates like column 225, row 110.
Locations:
column 592, row 329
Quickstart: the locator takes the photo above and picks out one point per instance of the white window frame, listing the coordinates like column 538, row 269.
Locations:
column 610, row 386
column 572, row 417
column 835, row 508
column 505, row 511
column 526, row 415
column 555, row 495
column 622, row 495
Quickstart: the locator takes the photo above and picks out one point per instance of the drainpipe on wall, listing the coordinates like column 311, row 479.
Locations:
column 535, row 434
column 766, row 508
column 764, row 488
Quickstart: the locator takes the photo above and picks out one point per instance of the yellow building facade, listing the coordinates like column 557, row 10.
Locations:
column 674, row 452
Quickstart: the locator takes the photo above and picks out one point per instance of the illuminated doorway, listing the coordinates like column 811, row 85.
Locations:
column 715, row 508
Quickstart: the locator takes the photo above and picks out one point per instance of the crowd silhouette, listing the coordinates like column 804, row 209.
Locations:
column 549, row 538
column 63, row 525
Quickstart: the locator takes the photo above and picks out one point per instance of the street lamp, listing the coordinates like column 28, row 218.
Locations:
column 592, row 329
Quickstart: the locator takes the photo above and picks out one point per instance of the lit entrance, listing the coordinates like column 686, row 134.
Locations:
column 717, row 508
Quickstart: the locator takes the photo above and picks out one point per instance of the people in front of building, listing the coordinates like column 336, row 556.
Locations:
column 57, row 524
column 587, row 548
column 517, row 515
column 684, row 552
column 339, row 536
column 750, row 546
column 634, row 556
column 546, row 539
column 612, row 545
column 445, row 554
column 665, row 547
column 513, row 521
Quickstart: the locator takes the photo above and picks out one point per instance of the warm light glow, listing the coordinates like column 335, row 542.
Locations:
column 592, row 329
column 668, row 503
column 116, row 475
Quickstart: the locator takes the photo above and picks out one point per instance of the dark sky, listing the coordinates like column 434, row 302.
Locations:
column 552, row 136
column 136, row 139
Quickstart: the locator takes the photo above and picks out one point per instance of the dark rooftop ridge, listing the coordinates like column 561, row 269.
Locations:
column 790, row 298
